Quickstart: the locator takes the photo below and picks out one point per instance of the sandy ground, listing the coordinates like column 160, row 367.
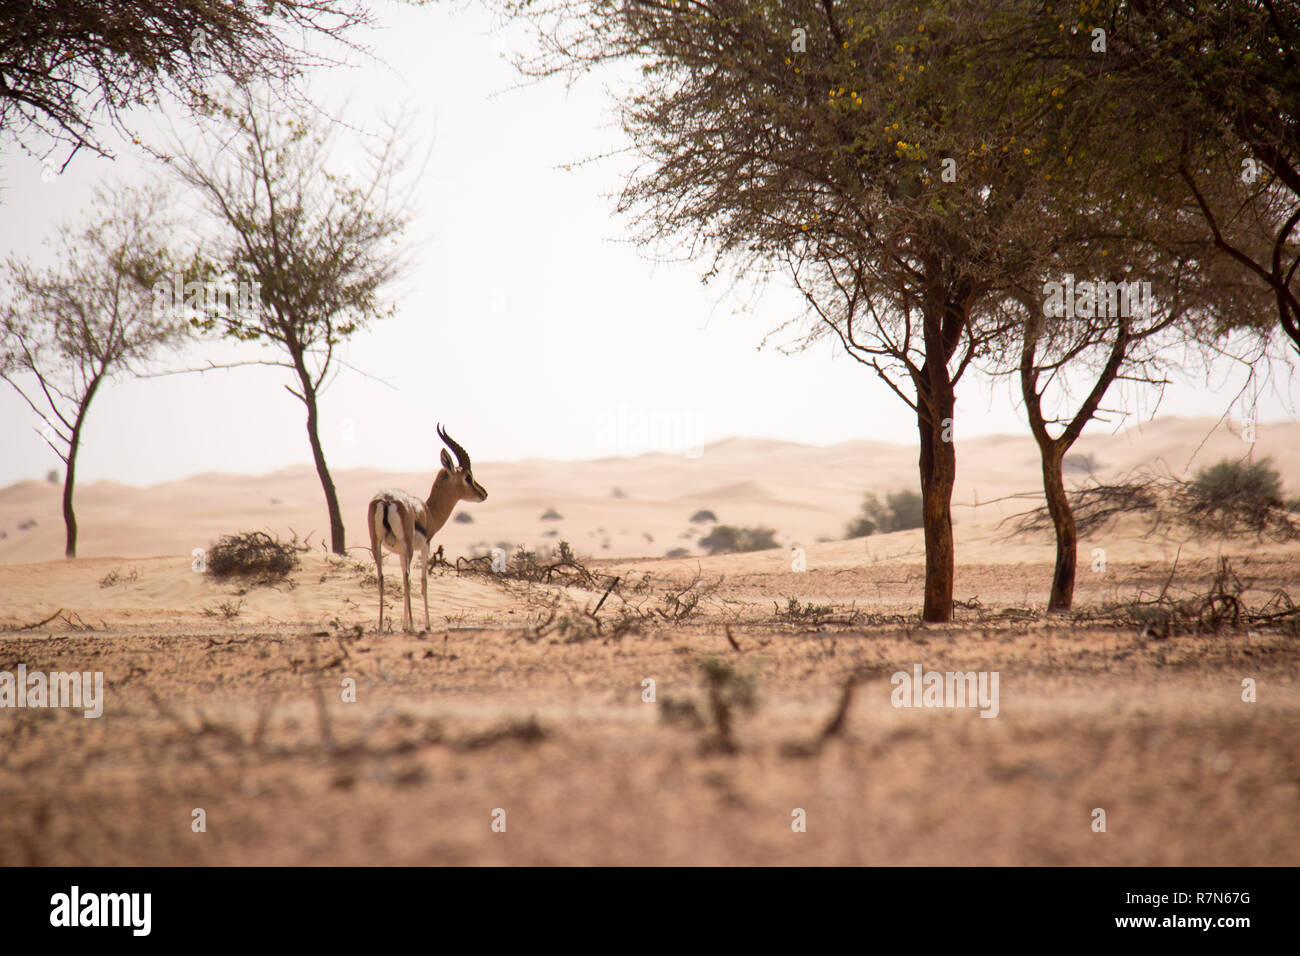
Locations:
column 305, row 736
column 231, row 700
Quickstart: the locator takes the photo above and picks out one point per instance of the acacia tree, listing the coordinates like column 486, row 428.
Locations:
column 1100, row 332
column 68, row 330
column 892, row 159
column 320, row 248
column 1121, row 212
column 67, row 66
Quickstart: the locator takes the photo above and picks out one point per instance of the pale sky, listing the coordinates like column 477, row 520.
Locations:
column 531, row 324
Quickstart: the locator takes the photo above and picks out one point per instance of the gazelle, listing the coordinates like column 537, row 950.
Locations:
column 404, row 524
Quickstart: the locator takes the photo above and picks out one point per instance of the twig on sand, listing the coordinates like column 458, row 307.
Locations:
column 32, row 627
column 612, row 584
column 731, row 639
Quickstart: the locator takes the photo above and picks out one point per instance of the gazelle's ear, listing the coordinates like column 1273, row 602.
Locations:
column 446, row 461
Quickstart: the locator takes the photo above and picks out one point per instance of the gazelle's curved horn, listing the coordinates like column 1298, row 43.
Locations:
column 462, row 456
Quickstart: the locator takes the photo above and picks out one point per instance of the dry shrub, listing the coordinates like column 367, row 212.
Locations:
column 1221, row 605
column 816, row 614
column 546, row 566
column 254, row 555
column 726, row 692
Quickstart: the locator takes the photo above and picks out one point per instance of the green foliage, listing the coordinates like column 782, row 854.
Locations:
column 1239, row 490
column 321, row 248
column 899, row 511
column 860, row 527
column 726, row 539
column 72, row 67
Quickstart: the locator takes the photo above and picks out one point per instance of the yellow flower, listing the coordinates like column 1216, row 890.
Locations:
column 1026, row 150
column 804, row 227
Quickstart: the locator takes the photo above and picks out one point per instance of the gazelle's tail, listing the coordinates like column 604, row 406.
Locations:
column 377, row 523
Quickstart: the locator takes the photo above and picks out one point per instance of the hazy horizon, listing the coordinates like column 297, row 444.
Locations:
column 531, row 325
column 305, row 464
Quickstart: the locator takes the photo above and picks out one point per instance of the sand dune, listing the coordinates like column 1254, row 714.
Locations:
column 612, row 507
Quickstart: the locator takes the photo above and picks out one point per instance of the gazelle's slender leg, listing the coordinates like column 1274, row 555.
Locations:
column 377, row 549
column 379, row 569
column 408, row 552
column 406, row 595
column 424, row 581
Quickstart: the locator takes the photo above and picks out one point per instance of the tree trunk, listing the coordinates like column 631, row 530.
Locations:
column 945, row 319
column 308, row 397
column 70, row 516
column 1067, row 537
column 938, row 465
column 1052, row 450
column 70, row 473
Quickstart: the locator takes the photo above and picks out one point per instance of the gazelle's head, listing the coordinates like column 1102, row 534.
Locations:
column 460, row 473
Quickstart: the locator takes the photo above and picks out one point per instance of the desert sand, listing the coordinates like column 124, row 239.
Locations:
column 305, row 736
